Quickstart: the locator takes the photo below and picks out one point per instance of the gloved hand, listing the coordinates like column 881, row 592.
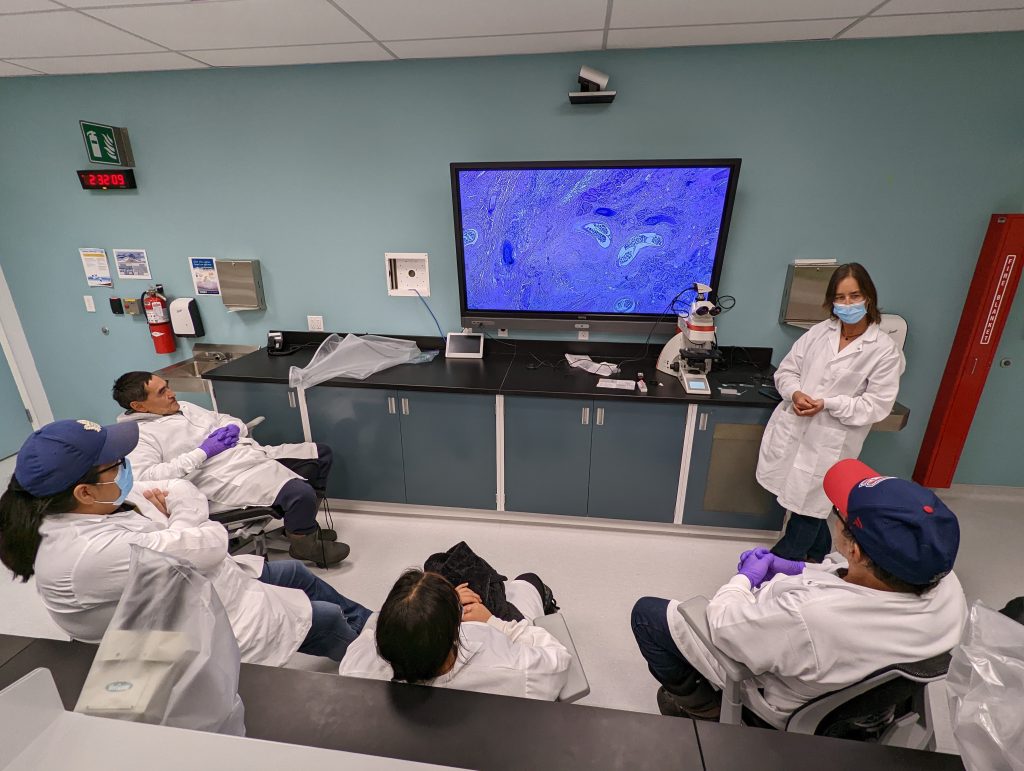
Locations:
column 223, row 438
column 784, row 567
column 755, row 568
column 760, row 551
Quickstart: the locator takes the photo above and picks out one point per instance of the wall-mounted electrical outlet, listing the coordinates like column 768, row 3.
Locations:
column 90, row 304
column 315, row 323
column 407, row 273
column 583, row 335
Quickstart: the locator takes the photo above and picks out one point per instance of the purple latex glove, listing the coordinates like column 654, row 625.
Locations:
column 222, row 439
column 760, row 551
column 755, row 568
column 785, row 567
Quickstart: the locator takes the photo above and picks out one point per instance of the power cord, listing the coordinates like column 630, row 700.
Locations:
column 647, row 343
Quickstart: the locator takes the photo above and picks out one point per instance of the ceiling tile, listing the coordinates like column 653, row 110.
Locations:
column 937, row 6
column 725, row 34
column 236, row 24
column 498, row 46
column 318, row 54
column 73, row 65
column 938, row 24
column 421, row 19
column 20, row 6
column 659, row 13
column 12, row 70
column 65, row 33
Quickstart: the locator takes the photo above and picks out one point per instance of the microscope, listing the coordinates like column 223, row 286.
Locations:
column 689, row 354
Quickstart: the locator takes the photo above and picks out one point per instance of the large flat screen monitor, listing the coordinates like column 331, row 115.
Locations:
column 602, row 245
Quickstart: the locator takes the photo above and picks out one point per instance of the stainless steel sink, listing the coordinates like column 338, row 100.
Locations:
column 187, row 376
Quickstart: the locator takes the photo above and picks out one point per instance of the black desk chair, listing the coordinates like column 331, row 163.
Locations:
column 253, row 530
column 887, row 707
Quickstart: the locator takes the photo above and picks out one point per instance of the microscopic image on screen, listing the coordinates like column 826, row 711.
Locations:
column 588, row 240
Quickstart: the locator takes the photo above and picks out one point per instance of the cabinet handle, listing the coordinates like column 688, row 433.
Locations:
column 405, row 406
column 586, row 416
column 703, row 425
column 600, row 416
column 291, row 399
column 391, row 405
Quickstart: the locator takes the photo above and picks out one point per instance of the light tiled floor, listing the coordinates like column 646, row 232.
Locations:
column 597, row 575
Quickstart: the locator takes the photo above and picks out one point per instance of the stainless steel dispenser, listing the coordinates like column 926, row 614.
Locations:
column 241, row 285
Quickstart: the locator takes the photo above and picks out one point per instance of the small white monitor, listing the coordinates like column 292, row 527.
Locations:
column 696, row 384
column 464, row 345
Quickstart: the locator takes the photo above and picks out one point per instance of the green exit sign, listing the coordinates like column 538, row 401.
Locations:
column 107, row 144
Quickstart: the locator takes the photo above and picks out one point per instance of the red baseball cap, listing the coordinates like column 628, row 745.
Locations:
column 901, row 526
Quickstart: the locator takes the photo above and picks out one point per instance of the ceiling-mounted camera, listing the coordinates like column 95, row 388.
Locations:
column 592, row 88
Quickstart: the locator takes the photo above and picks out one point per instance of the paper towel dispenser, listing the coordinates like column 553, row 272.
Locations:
column 241, row 284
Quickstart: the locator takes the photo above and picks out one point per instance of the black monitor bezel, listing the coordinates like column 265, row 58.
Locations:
column 552, row 319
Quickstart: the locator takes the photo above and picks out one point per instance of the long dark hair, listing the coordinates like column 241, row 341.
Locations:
column 22, row 514
column 858, row 273
column 418, row 626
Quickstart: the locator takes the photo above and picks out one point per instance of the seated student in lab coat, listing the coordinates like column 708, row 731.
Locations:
column 433, row 633
column 180, row 440
column 72, row 512
column 889, row 596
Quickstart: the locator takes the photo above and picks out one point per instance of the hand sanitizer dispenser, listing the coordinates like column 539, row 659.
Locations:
column 185, row 320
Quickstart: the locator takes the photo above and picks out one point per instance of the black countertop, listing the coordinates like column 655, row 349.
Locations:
column 527, row 368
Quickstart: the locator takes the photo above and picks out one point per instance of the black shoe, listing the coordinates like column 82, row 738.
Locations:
column 309, row 548
column 326, row 534
column 671, row 705
column 547, row 598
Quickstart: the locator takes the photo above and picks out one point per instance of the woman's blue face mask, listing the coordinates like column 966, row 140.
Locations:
column 850, row 314
column 124, row 481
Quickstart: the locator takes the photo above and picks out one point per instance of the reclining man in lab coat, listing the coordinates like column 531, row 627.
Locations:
column 72, row 512
column 180, row 440
column 889, row 596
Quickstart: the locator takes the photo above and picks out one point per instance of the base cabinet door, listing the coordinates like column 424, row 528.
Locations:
column 721, row 489
column 274, row 401
column 547, row 454
column 634, row 460
column 449, row 448
column 362, row 427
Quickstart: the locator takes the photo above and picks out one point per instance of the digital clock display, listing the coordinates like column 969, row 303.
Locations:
column 108, row 179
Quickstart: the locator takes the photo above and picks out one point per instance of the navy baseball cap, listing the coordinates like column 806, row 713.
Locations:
column 59, row 454
column 902, row 527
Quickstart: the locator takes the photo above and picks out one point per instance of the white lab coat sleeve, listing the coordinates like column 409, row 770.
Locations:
column 878, row 398
column 787, row 376
column 764, row 636
column 539, row 654
column 148, row 464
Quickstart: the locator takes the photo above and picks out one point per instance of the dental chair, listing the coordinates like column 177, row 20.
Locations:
column 888, row 707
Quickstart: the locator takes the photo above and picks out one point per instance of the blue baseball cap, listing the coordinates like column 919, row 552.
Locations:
column 901, row 526
column 56, row 456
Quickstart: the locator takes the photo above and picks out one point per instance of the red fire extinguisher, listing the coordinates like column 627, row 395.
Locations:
column 159, row 318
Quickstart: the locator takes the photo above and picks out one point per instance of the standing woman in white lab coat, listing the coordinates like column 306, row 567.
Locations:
column 839, row 378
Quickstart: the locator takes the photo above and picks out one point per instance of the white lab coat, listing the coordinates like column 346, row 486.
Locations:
column 807, row 635
column 245, row 475
column 859, row 385
column 82, row 569
column 512, row 658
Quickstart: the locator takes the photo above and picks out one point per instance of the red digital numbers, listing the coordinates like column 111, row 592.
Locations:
column 99, row 180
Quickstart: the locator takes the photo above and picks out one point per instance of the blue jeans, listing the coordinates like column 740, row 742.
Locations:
column 806, row 538
column 337, row 620
column 664, row 659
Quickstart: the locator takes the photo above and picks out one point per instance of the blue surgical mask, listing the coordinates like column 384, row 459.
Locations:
column 124, row 481
column 850, row 314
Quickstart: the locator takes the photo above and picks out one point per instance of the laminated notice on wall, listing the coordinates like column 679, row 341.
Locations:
column 97, row 269
column 204, row 275
column 132, row 263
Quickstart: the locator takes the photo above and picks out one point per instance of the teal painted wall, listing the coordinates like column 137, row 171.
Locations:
column 891, row 152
